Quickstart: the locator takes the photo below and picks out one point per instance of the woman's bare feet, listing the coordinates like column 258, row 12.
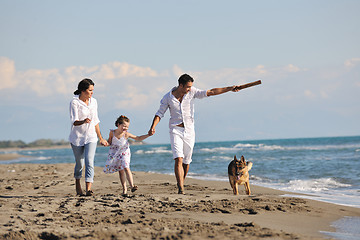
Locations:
column 78, row 188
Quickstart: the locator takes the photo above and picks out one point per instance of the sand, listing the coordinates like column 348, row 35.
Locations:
column 37, row 201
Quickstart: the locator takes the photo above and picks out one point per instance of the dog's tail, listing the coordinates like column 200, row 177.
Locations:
column 249, row 165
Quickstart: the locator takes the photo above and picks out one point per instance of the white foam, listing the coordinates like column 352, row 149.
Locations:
column 154, row 151
column 218, row 158
column 322, row 189
column 210, row 177
column 264, row 147
column 25, row 159
column 217, row 149
column 260, row 146
column 240, row 146
column 245, row 145
column 314, row 185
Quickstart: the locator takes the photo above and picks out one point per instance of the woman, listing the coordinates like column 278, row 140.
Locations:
column 84, row 134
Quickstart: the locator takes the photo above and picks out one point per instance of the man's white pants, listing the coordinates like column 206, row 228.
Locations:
column 182, row 143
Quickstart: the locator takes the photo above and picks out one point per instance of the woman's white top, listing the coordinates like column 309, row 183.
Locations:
column 84, row 133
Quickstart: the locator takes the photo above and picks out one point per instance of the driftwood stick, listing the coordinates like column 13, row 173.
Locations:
column 247, row 85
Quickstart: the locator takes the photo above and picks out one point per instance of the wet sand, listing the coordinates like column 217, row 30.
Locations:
column 38, row 201
column 9, row 156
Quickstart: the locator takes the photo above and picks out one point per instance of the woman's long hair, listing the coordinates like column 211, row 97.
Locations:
column 84, row 85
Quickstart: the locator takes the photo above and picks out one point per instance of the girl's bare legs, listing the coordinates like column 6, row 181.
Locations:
column 122, row 176
column 129, row 177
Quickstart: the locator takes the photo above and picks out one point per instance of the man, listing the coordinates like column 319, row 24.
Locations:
column 180, row 101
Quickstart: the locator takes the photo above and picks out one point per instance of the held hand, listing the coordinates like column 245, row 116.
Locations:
column 236, row 88
column 151, row 132
column 87, row 120
column 104, row 142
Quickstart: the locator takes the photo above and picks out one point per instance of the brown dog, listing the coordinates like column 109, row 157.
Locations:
column 238, row 171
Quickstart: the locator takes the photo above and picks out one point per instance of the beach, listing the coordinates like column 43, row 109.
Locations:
column 38, row 201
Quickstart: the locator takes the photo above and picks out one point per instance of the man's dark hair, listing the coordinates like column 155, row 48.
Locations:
column 185, row 78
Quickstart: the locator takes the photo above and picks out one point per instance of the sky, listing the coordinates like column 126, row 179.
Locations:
column 306, row 53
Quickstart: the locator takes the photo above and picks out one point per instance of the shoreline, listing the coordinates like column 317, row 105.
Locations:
column 7, row 154
column 10, row 156
column 38, row 198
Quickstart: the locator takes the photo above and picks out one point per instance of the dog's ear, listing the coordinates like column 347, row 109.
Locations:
column 235, row 158
column 242, row 159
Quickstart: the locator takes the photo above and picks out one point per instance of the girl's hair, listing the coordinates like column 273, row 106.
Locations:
column 121, row 120
column 184, row 79
column 83, row 85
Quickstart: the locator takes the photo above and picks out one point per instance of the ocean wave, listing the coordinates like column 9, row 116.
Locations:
column 315, row 185
column 320, row 185
column 218, row 149
column 218, row 158
column 209, row 177
column 153, row 151
column 264, row 147
column 30, row 152
column 260, row 146
column 240, row 146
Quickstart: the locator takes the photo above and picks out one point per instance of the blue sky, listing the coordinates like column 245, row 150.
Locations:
column 307, row 54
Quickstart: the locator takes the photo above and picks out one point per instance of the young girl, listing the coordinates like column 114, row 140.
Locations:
column 119, row 152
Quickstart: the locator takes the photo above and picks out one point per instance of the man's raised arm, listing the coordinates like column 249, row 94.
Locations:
column 217, row 91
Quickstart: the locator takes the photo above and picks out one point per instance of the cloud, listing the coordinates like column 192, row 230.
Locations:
column 42, row 82
column 292, row 68
column 229, row 76
column 116, row 69
column 62, row 81
column 132, row 98
column 287, row 94
column 126, row 86
column 7, row 73
column 351, row 62
column 177, row 70
column 309, row 94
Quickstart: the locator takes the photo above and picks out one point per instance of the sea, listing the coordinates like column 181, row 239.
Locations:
column 325, row 169
column 328, row 168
